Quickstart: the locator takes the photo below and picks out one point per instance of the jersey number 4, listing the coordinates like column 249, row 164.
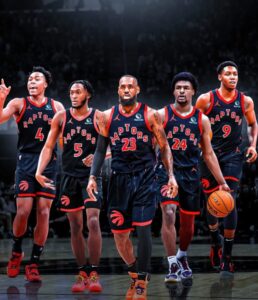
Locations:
column 39, row 134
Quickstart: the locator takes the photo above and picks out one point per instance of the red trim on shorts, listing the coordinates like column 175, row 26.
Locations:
column 146, row 120
column 183, row 116
column 211, row 104
column 53, row 105
column 231, row 178
column 166, row 117
column 211, row 190
column 35, row 103
column 186, row 212
column 138, row 106
column 169, row 202
column 72, row 209
column 121, row 230
column 89, row 200
column 26, row 195
column 18, row 117
column 222, row 99
column 242, row 102
column 142, row 223
column 200, row 122
column 45, row 194
column 110, row 118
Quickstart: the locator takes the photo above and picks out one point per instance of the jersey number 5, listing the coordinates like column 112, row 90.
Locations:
column 77, row 149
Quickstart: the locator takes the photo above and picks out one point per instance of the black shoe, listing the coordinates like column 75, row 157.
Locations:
column 227, row 267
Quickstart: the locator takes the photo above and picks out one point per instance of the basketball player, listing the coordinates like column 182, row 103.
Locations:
column 33, row 115
column 129, row 128
column 186, row 128
column 226, row 107
column 79, row 134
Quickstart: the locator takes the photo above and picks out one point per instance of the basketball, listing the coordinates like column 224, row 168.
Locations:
column 220, row 204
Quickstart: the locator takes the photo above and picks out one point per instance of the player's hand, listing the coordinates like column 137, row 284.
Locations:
column 92, row 188
column 4, row 90
column 87, row 161
column 45, row 182
column 172, row 187
column 225, row 187
column 251, row 154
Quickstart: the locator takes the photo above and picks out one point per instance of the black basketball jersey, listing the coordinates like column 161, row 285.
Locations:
column 34, row 125
column 131, row 140
column 80, row 140
column 226, row 119
column 183, row 134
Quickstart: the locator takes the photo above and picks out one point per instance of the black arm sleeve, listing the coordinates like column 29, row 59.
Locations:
column 99, row 155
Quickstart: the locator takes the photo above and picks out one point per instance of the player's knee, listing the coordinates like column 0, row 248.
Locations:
column 168, row 215
column 43, row 213
column 93, row 224
column 23, row 212
column 76, row 227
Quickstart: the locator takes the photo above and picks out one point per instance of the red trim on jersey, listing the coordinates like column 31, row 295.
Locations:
column 72, row 209
column 211, row 190
column 44, row 102
column 147, row 123
column 186, row 212
column 169, row 202
column 183, row 116
column 225, row 101
column 26, row 195
column 242, row 102
column 231, row 178
column 142, row 223
column 63, row 125
column 83, row 116
column 122, row 230
column 95, row 123
column 200, row 122
column 211, row 104
column 110, row 118
column 53, row 105
column 45, row 194
column 166, row 117
column 18, row 117
column 134, row 111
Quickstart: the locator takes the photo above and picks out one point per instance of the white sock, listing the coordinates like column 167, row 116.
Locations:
column 180, row 254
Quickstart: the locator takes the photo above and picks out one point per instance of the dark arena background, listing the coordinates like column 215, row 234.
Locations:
column 101, row 40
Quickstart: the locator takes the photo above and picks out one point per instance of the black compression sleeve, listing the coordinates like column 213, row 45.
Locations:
column 99, row 155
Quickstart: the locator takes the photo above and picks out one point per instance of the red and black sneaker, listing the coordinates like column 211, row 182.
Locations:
column 227, row 267
column 216, row 256
column 32, row 273
column 13, row 267
column 81, row 283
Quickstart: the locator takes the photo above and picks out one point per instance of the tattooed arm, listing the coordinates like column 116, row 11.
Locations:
column 166, row 155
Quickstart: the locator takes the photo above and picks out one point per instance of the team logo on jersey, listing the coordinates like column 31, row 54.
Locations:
column 173, row 118
column 237, row 104
column 48, row 107
column 217, row 104
column 138, row 117
column 193, row 120
column 117, row 218
column 117, row 118
column 205, row 183
column 65, row 200
column 88, row 121
column 70, row 121
column 29, row 107
column 24, row 185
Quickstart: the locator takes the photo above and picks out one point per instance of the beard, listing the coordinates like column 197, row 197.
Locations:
column 128, row 102
column 81, row 105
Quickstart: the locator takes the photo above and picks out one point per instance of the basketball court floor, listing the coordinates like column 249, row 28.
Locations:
column 58, row 271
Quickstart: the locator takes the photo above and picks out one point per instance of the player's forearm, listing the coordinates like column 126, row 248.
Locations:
column 167, row 159
column 44, row 159
column 213, row 165
column 252, row 134
column 99, row 156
